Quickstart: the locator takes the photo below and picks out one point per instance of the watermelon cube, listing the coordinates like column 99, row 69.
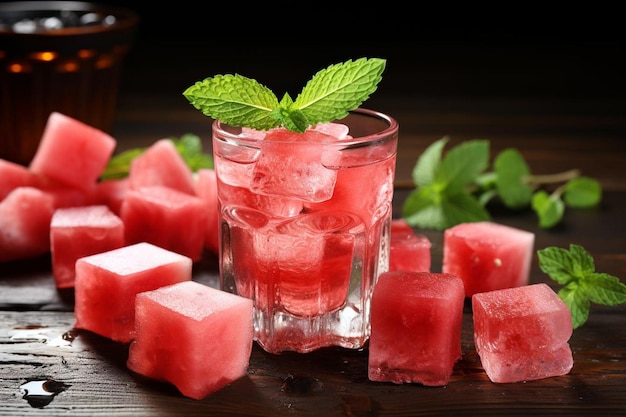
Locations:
column 416, row 320
column 25, row 216
column 72, row 152
column 193, row 336
column 111, row 193
column 106, row 285
column 167, row 218
column 162, row 165
column 76, row 232
column 488, row 256
column 13, row 175
column 522, row 333
column 25, row 224
column 408, row 251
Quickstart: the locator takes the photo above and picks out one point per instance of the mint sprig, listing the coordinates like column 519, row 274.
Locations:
column 456, row 187
column 331, row 93
column 582, row 285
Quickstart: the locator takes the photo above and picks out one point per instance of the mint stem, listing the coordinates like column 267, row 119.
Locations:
column 552, row 178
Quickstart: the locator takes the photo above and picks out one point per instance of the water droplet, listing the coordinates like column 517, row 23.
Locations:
column 41, row 392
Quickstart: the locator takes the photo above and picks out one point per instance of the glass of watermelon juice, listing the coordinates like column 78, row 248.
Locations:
column 304, row 226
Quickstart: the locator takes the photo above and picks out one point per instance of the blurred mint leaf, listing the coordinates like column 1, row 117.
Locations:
column 548, row 208
column 511, row 171
column 582, row 192
column 462, row 164
column 441, row 198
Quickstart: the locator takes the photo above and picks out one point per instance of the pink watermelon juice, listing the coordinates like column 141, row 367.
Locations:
column 304, row 226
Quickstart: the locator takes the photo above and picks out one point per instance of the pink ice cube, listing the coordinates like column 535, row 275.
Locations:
column 25, row 215
column 167, row 218
column 72, row 152
column 76, row 232
column 196, row 337
column 522, row 333
column 416, row 322
column 106, row 285
column 409, row 251
column 161, row 165
column 488, row 256
column 290, row 165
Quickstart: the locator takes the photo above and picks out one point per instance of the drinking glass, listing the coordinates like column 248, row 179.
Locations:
column 63, row 56
column 304, row 228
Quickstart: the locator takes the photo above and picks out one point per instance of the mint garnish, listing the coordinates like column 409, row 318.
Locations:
column 456, row 187
column 582, row 285
column 329, row 95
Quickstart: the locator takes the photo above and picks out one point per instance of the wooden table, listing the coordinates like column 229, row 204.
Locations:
column 38, row 343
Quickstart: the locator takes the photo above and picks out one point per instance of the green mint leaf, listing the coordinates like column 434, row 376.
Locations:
column 578, row 306
column 118, row 166
column 606, row 289
column 328, row 96
column 462, row 164
column 422, row 208
column 189, row 146
column 574, row 269
column 234, row 100
column 548, row 208
column 427, row 163
column 339, row 88
column 582, row 192
column 463, row 208
column 511, row 169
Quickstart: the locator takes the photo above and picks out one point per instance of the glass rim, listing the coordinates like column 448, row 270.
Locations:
column 390, row 130
column 126, row 18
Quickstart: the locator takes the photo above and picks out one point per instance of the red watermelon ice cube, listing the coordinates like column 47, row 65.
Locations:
column 196, row 337
column 25, row 215
column 408, row 250
column 522, row 333
column 72, row 152
column 106, row 285
column 167, row 218
column 488, row 256
column 416, row 320
column 161, row 165
column 13, row 175
column 76, row 232
column 111, row 193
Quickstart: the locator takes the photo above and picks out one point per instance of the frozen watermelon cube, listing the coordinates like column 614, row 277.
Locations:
column 13, row 175
column 25, row 215
column 522, row 333
column 408, row 250
column 111, row 193
column 106, row 285
column 162, row 165
column 167, row 218
column 76, row 232
column 488, row 256
column 416, row 320
column 193, row 336
column 72, row 152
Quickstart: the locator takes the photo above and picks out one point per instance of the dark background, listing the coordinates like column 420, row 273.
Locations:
column 516, row 51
